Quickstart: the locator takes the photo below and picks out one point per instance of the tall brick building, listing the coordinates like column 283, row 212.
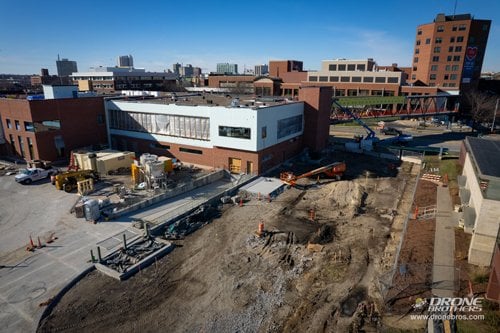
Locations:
column 449, row 52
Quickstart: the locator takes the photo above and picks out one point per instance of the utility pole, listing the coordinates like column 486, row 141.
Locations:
column 494, row 116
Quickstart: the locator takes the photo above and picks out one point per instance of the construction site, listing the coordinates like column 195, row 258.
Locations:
column 296, row 251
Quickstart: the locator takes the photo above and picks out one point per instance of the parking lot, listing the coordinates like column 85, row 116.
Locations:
column 29, row 279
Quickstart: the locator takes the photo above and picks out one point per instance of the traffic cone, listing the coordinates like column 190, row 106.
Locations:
column 39, row 243
column 31, row 242
column 269, row 197
column 258, row 196
column 241, row 202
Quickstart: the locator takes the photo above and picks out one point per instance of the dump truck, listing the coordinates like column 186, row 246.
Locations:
column 68, row 181
column 335, row 170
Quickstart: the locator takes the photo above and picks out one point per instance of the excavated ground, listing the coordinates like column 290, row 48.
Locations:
column 303, row 275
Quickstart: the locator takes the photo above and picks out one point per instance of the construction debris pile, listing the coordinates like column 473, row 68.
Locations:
column 130, row 255
column 189, row 224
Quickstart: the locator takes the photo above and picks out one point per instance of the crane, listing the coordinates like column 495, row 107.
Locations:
column 336, row 170
column 371, row 134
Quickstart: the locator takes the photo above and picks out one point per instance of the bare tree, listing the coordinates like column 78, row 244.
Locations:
column 481, row 105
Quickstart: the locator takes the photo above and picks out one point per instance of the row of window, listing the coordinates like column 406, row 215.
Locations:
column 440, row 28
column 354, row 79
column 157, row 145
column 448, row 68
column 362, row 92
column 436, row 58
column 21, row 150
column 349, row 67
column 42, row 126
column 439, row 40
column 446, row 77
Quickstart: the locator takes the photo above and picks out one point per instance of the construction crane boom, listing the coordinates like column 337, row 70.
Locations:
column 371, row 133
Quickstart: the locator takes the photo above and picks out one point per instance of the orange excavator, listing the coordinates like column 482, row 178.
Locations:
column 335, row 170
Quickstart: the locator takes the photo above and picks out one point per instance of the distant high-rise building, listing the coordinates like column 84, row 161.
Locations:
column 177, row 68
column 226, row 68
column 44, row 72
column 186, row 71
column 196, row 71
column 449, row 52
column 261, row 70
column 65, row 67
column 125, row 61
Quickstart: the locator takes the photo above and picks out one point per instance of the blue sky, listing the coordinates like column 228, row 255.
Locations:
column 203, row 33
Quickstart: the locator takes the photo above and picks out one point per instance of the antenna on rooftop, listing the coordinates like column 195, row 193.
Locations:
column 455, row 9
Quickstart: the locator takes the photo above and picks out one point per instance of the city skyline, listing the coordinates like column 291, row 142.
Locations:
column 206, row 33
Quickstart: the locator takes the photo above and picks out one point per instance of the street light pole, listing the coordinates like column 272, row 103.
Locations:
column 494, row 116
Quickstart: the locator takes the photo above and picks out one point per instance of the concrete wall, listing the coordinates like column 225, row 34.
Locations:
column 486, row 225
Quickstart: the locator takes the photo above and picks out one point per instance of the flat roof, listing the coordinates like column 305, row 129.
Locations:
column 486, row 154
column 209, row 99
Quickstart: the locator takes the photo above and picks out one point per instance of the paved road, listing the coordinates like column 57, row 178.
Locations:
column 443, row 271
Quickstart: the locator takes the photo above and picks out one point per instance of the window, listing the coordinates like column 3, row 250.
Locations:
column 434, row 68
column 432, row 77
column 439, row 40
column 417, row 51
column 450, row 49
column 462, row 27
column 351, row 67
column 30, row 148
column 452, row 85
column 447, row 68
column 415, row 68
column 344, row 79
column 21, row 145
column 380, row 79
column 289, row 126
column 415, row 59
column 100, row 119
column 419, row 32
column 47, row 125
column 18, row 126
column 191, row 151
column 392, row 80
column 435, row 58
column 234, row 132
column 159, row 146
column 458, row 49
column 446, row 76
column 448, row 58
column 456, row 58
column 368, row 79
column 263, row 132
column 332, row 67
column 437, row 49
column 453, row 76
column 452, row 40
column 352, row 92
column 413, row 77
column 460, row 39
column 361, row 67
column 454, row 68
column 323, row 78
column 313, row 78
column 356, row 79
column 440, row 28
column 28, row 126
column 9, row 124
column 334, row 79
column 428, row 41
column 341, row 67
column 418, row 42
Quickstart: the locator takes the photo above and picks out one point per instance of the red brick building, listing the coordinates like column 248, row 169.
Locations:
column 49, row 129
column 449, row 52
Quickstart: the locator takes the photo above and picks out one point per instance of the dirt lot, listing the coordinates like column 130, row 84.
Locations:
column 303, row 275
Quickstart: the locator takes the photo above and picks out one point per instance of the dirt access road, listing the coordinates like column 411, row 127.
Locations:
column 223, row 278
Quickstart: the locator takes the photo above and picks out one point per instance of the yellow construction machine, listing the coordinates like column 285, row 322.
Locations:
column 68, row 181
column 335, row 170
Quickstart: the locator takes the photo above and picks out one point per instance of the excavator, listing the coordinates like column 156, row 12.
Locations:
column 335, row 170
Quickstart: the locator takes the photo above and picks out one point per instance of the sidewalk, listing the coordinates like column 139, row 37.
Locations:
column 443, row 271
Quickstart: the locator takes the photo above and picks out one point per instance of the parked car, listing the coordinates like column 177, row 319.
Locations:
column 391, row 131
column 29, row 175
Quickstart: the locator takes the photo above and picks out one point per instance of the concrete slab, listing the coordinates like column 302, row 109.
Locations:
column 443, row 271
column 264, row 186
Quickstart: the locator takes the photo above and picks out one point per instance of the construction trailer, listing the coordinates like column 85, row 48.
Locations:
column 103, row 162
column 335, row 170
